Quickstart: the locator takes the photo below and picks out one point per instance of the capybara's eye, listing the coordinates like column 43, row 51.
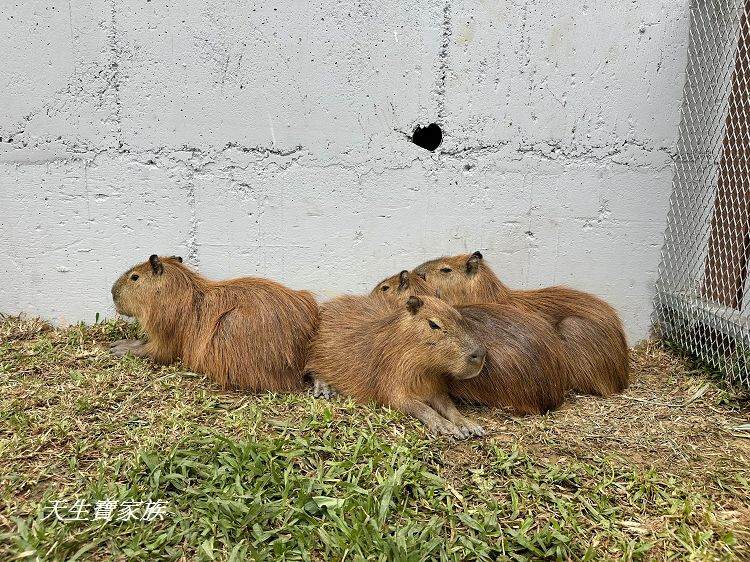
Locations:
column 384, row 288
column 433, row 325
column 134, row 277
column 446, row 269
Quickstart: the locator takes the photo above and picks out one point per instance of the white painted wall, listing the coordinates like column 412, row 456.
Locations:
column 270, row 138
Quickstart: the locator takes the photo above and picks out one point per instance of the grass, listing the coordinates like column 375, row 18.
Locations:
column 658, row 473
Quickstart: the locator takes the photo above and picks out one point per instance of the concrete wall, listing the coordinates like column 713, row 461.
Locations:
column 272, row 139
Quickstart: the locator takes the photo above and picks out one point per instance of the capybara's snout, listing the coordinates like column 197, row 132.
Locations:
column 477, row 356
column 473, row 363
column 116, row 295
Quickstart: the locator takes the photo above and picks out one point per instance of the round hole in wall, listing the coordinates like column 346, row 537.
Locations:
column 428, row 137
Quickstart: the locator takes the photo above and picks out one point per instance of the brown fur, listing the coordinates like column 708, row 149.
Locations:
column 247, row 333
column 397, row 355
column 524, row 368
column 597, row 350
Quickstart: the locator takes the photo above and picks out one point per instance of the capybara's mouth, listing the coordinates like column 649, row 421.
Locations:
column 472, row 374
column 479, row 369
column 119, row 310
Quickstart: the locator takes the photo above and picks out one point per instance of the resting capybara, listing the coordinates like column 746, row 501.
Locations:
column 399, row 355
column 247, row 333
column 524, row 370
column 597, row 350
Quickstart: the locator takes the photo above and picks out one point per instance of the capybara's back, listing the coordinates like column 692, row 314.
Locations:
column 346, row 351
column 262, row 336
column 524, row 369
column 592, row 333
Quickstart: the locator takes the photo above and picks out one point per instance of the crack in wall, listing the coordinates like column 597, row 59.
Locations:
column 76, row 150
column 265, row 149
column 440, row 89
column 474, row 150
column 556, row 150
column 114, row 77
column 192, row 238
column 626, row 153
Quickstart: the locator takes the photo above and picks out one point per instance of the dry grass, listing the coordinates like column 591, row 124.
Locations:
column 659, row 472
column 674, row 417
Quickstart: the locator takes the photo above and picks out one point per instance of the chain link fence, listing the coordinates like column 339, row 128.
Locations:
column 702, row 302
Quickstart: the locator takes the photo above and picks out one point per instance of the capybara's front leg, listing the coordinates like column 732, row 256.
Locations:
column 137, row 348
column 435, row 423
column 322, row 389
column 445, row 406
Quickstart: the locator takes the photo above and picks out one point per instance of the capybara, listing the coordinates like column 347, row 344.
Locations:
column 597, row 350
column 524, row 370
column 399, row 355
column 246, row 333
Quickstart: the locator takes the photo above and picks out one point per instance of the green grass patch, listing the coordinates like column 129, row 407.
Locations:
column 291, row 477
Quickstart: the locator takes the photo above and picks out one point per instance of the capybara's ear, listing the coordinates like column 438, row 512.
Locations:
column 472, row 264
column 403, row 279
column 414, row 304
column 156, row 266
column 176, row 258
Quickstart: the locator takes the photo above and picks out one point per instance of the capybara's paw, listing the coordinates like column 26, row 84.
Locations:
column 447, row 428
column 322, row 390
column 122, row 347
column 471, row 429
column 119, row 351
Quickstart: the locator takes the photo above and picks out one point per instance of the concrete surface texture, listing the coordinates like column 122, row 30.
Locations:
column 272, row 139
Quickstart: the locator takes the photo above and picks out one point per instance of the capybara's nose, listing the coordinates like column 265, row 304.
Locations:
column 478, row 355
